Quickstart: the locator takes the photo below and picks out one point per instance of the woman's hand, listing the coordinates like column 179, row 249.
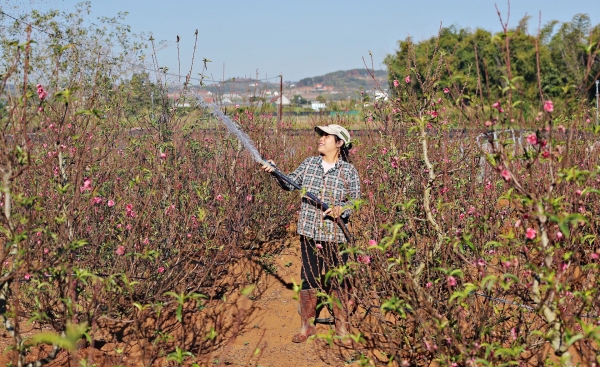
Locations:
column 335, row 212
column 269, row 167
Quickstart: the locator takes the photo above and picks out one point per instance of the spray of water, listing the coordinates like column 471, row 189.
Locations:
column 233, row 128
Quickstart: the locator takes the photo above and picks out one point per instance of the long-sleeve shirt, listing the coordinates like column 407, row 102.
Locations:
column 340, row 186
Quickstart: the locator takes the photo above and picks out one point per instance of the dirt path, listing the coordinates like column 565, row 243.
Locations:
column 275, row 319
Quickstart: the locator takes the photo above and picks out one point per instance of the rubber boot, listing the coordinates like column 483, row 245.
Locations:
column 340, row 314
column 308, row 312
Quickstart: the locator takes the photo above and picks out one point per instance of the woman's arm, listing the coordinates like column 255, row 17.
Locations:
column 353, row 194
column 296, row 176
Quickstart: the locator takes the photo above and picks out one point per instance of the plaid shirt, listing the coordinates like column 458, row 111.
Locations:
column 340, row 186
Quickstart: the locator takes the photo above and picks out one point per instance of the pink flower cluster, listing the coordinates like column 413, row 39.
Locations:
column 548, row 106
column 498, row 106
column 129, row 211
column 41, row 92
column 365, row 259
column 87, row 185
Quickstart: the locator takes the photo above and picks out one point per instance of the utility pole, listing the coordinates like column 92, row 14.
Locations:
column 280, row 98
column 597, row 95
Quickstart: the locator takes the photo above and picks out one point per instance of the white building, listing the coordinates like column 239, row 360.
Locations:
column 317, row 106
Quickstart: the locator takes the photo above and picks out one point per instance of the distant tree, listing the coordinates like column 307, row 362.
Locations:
column 299, row 100
column 140, row 90
column 569, row 60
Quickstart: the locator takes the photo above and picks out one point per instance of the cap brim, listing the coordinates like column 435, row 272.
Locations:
column 324, row 129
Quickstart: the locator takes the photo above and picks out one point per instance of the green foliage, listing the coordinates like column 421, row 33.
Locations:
column 566, row 65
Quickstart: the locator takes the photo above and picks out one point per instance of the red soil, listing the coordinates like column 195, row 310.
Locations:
column 260, row 332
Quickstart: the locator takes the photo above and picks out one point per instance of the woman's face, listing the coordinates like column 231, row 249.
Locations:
column 328, row 145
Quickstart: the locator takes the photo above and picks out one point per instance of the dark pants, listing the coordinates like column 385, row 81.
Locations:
column 316, row 262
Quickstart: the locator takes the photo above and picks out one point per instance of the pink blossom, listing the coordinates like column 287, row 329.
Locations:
column 46, row 250
column 365, row 259
column 594, row 256
column 559, row 235
column 97, row 200
column 189, row 235
column 446, row 90
column 561, row 129
column 396, row 83
column 219, row 197
column 146, row 241
column 162, row 155
column 488, row 186
column 87, row 185
column 129, row 211
column 120, row 250
column 27, row 276
column 111, row 203
column 161, row 269
column 530, row 233
column 319, row 246
column 505, row 174
column 532, row 139
column 428, row 285
column 481, row 262
column 488, row 123
column 518, row 223
column 451, row 281
column 372, row 243
column 506, row 264
column 513, row 334
column 407, row 79
column 545, row 154
column 384, row 151
column 578, row 192
column 548, row 106
column 248, row 198
column 434, row 114
column 497, row 106
column 41, row 92
column 237, row 106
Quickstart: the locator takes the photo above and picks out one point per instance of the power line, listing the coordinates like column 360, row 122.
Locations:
column 201, row 80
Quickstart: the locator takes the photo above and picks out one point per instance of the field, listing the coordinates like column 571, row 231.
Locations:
column 145, row 235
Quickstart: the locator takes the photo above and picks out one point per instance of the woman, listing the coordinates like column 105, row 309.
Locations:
column 335, row 182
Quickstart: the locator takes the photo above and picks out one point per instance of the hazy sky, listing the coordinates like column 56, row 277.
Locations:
column 304, row 38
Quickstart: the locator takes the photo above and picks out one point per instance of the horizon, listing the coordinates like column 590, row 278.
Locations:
column 339, row 36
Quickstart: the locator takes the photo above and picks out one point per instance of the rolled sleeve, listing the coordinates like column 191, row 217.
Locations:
column 353, row 194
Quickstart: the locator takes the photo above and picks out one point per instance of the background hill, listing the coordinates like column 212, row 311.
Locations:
column 355, row 79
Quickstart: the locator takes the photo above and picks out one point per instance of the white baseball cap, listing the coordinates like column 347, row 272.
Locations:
column 336, row 130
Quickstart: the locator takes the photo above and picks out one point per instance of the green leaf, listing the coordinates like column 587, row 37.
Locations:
column 247, row 290
column 73, row 334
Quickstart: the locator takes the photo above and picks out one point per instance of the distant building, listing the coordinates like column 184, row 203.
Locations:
column 380, row 95
column 284, row 100
column 318, row 106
